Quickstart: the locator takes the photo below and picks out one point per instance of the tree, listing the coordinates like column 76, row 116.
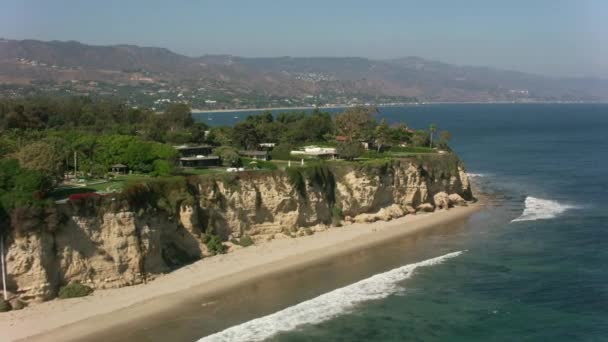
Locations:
column 400, row 133
column 350, row 150
column 221, row 136
column 356, row 123
column 228, row 155
column 432, row 129
column 382, row 134
column 444, row 137
column 47, row 157
column 156, row 128
column 245, row 135
column 178, row 116
column 420, row 138
column 197, row 132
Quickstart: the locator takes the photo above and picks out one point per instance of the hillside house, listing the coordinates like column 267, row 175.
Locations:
column 257, row 155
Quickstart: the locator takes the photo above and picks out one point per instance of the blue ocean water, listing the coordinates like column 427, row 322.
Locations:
column 531, row 267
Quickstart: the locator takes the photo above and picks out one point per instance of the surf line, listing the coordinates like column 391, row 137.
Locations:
column 325, row 306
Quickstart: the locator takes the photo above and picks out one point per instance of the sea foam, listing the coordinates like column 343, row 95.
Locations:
column 475, row 175
column 542, row 209
column 325, row 306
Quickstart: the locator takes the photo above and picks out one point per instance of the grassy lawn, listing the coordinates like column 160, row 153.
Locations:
column 281, row 164
column 204, row 171
column 96, row 185
column 411, row 149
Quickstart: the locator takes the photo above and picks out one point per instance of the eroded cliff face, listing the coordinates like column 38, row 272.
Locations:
column 119, row 242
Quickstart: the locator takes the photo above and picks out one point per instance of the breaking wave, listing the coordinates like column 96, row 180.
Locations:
column 542, row 209
column 475, row 175
column 325, row 306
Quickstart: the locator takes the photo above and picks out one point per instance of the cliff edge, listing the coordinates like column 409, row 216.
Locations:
column 155, row 227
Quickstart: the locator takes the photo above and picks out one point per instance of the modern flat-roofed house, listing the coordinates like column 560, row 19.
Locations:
column 197, row 156
column 195, row 150
column 257, row 155
column 199, row 161
column 316, row 151
column 267, row 146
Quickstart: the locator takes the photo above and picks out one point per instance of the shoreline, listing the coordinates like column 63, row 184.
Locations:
column 237, row 110
column 106, row 309
column 208, row 111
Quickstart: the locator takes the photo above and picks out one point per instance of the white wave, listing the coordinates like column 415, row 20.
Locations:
column 325, row 306
column 475, row 175
column 542, row 209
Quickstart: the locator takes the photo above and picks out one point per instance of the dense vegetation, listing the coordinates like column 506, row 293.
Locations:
column 46, row 141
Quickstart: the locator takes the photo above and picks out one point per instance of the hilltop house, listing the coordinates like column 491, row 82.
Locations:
column 190, row 151
column 316, row 151
column 197, row 156
column 267, row 146
column 199, row 161
column 257, row 155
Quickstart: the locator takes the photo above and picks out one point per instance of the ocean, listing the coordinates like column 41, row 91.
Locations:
column 533, row 266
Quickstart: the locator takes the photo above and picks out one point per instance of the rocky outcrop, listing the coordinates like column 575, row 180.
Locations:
column 147, row 231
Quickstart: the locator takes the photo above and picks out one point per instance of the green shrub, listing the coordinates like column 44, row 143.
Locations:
column 162, row 167
column 259, row 164
column 74, row 290
column 350, row 150
column 296, row 179
column 322, row 177
column 411, row 149
column 379, row 167
column 282, row 151
column 245, row 241
column 5, row 306
column 214, row 243
column 336, row 216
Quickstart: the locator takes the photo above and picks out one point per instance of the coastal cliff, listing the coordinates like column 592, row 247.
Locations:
column 152, row 228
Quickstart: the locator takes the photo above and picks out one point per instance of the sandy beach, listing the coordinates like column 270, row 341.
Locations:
column 79, row 317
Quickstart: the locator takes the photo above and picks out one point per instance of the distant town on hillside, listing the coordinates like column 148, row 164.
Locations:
column 155, row 77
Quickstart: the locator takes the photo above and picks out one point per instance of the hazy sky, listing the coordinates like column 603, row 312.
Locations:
column 553, row 37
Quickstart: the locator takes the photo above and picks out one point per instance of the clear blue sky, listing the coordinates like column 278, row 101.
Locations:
column 553, row 37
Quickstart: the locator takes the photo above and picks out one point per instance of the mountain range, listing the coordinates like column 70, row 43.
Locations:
column 25, row 64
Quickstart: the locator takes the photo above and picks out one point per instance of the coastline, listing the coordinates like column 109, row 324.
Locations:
column 205, row 111
column 105, row 309
column 237, row 110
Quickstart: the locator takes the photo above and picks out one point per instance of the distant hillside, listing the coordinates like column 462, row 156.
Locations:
column 237, row 81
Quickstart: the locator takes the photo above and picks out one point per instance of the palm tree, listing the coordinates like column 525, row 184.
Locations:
column 432, row 129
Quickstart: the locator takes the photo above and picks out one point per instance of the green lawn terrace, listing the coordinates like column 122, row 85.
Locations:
column 201, row 160
column 115, row 183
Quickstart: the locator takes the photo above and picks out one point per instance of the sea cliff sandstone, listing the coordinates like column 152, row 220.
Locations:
column 144, row 232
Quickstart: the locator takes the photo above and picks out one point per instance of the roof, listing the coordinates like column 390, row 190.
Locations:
column 254, row 153
column 119, row 166
column 194, row 147
column 199, row 158
column 315, row 153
